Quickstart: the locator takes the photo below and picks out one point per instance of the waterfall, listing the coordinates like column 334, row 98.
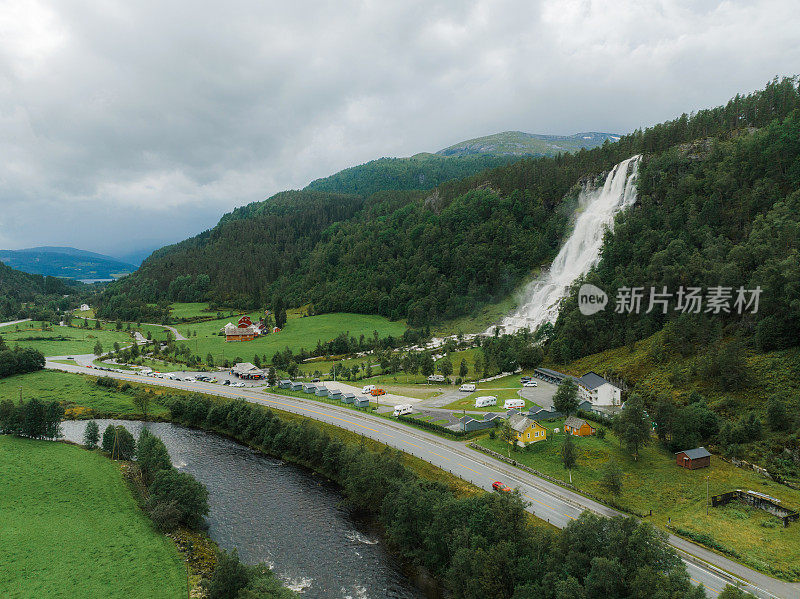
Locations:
column 581, row 250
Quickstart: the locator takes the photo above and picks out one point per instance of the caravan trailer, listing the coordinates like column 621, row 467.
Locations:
column 485, row 401
column 403, row 409
column 467, row 387
column 514, row 403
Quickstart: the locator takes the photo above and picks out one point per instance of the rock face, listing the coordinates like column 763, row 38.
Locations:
column 519, row 143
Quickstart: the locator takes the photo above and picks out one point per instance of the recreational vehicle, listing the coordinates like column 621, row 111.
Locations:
column 485, row 401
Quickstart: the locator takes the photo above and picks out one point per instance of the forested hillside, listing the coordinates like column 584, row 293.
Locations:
column 422, row 171
column 18, row 287
column 432, row 255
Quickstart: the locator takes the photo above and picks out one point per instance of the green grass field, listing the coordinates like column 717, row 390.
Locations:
column 298, row 333
column 62, row 341
column 156, row 332
column 185, row 310
column 655, row 483
column 79, row 394
column 71, row 528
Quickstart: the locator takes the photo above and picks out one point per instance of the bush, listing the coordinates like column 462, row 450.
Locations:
column 190, row 496
column 107, row 381
column 118, row 442
column 166, row 515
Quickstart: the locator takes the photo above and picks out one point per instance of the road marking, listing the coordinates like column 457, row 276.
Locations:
column 539, row 502
column 708, row 586
column 412, row 445
column 568, row 516
column 440, row 455
column 468, row 468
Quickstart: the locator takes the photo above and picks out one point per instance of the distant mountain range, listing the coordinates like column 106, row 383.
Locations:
column 66, row 262
column 519, row 143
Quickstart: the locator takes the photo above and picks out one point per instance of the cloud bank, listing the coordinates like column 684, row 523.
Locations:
column 131, row 124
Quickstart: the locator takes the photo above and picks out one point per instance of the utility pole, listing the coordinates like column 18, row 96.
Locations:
column 707, row 495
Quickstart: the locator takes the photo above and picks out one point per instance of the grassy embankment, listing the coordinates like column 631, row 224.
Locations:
column 654, row 482
column 72, row 528
column 79, row 394
column 61, row 341
column 155, row 331
column 299, row 333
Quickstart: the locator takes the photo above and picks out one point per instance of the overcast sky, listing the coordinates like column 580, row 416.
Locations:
column 126, row 125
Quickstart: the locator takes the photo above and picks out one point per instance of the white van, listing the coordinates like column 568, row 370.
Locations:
column 467, row 387
column 403, row 409
column 513, row 403
column 485, row 401
column 367, row 389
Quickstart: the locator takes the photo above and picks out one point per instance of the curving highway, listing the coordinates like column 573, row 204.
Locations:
column 546, row 500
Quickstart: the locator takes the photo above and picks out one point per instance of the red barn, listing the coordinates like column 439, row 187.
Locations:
column 693, row 459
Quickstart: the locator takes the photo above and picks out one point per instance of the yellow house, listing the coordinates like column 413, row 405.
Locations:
column 527, row 431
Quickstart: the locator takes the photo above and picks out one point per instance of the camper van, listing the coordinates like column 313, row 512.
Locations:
column 367, row 389
column 485, row 401
column 514, row 403
column 402, row 409
column 467, row 387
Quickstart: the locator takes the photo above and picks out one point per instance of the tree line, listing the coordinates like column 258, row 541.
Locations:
column 19, row 360
column 478, row 546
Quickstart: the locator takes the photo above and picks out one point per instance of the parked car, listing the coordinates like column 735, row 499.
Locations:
column 522, row 379
column 239, row 384
column 367, row 389
column 498, row 486
column 226, row 382
column 377, row 392
column 530, row 384
column 190, row 379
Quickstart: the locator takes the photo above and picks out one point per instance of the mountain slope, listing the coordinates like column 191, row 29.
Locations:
column 428, row 256
column 65, row 262
column 518, row 143
column 17, row 287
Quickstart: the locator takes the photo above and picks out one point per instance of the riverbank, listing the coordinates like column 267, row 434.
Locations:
column 71, row 525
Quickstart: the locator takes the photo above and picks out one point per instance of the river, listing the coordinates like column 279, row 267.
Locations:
column 280, row 514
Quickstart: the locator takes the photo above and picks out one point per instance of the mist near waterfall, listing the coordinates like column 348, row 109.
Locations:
column 540, row 299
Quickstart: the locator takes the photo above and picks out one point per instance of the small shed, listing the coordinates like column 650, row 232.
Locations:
column 335, row 394
column 285, row 384
column 310, row 388
column 348, row 397
column 296, row 386
column 692, row 459
column 578, row 427
column 361, row 402
column 322, row 391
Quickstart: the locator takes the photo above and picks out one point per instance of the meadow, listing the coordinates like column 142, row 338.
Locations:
column 71, row 527
column 79, row 394
column 654, row 482
column 299, row 333
column 187, row 310
column 56, row 340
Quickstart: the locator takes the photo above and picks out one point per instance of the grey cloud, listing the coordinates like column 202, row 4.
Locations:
column 129, row 124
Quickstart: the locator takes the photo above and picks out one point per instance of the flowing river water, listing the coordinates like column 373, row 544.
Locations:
column 280, row 514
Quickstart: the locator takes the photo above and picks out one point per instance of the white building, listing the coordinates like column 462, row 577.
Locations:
column 594, row 388
column 591, row 387
column 84, row 307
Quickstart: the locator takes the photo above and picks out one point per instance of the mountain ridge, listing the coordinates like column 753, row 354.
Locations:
column 65, row 262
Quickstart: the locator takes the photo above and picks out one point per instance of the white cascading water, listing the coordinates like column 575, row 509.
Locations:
column 580, row 252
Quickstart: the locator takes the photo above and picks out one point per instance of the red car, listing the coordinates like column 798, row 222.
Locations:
column 498, row 486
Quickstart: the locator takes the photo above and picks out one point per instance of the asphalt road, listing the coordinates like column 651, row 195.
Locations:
column 547, row 501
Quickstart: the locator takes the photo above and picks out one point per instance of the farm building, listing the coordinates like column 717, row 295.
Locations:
column 335, row 394
column 527, row 431
column 322, row 391
column 310, row 388
column 285, row 384
column 244, row 330
column 591, row 386
column 578, row 427
column 693, row 459
column 348, row 397
column 296, row 386
column 247, row 371
column 361, row 402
